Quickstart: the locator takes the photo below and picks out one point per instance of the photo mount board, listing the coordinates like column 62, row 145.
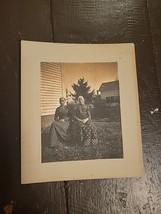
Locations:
column 32, row 169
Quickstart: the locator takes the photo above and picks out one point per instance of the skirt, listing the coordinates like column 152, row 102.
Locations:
column 58, row 133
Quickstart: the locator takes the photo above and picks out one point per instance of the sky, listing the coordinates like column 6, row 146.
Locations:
column 94, row 73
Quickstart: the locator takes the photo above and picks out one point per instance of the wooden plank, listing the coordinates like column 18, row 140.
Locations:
column 81, row 22
column 113, row 22
column 28, row 20
column 155, row 24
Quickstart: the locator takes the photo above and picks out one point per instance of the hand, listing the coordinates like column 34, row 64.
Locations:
column 84, row 120
column 62, row 120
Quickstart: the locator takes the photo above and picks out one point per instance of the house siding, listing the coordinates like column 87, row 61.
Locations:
column 51, row 87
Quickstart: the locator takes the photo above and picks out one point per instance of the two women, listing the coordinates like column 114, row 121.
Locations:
column 72, row 125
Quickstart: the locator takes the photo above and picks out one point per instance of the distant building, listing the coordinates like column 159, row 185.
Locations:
column 109, row 91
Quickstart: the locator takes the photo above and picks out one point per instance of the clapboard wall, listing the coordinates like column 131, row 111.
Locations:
column 51, row 87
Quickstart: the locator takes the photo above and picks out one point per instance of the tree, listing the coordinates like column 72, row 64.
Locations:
column 82, row 89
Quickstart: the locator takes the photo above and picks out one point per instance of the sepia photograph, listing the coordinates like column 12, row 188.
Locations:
column 80, row 111
column 80, row 114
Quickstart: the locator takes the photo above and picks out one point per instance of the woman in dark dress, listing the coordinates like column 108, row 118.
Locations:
column 59, row 128
column 82, row 129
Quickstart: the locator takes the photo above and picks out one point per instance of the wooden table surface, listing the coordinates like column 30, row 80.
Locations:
column 81, row 21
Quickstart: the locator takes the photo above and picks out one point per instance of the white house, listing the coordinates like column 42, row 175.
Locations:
column 109, row 91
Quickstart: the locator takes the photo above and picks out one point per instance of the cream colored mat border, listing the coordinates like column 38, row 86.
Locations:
column 32, row 170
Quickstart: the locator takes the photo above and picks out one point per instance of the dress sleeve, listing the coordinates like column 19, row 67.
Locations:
column 89, row 113
column 74, row 113
column 56, row 116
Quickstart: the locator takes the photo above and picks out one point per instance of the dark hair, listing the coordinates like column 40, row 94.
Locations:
column 62, row 98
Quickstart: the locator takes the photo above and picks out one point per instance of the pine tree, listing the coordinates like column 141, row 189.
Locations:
column 82, row 89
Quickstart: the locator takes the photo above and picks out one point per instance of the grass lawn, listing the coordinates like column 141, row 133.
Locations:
column 109, row 145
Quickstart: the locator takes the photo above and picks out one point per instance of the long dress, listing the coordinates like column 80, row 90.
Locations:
column 82, row 132
column 59, row 128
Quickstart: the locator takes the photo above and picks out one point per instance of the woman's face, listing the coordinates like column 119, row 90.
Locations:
column 62, row 102
column 81, row 100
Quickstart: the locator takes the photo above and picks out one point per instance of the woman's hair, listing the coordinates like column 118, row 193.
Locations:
column 62, row 98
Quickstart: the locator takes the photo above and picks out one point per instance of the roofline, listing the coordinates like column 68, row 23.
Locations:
column 107, row 82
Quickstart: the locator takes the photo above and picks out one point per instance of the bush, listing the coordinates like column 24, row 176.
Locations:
column 100, row 109
column 104, row 111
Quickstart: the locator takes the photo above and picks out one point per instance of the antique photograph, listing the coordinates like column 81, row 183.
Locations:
column 80, row 111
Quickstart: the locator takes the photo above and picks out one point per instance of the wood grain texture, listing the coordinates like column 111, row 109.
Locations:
column 113, row 22
column 29, row 20
column 81, row 21
column 155, row 26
